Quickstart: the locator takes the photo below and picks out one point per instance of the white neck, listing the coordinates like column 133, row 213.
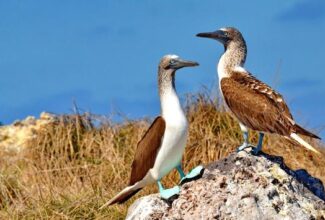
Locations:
column 171, row 108
column 221, row 68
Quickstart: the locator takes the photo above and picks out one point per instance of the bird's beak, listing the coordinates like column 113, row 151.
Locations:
column 184, row 63
column 217, row 35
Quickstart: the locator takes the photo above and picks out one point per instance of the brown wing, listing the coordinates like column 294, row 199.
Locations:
column 147, row 150
column 249, row 81
column 255, row 109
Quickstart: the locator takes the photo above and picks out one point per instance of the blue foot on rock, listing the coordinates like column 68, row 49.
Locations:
column 255, row 151
column 245, row 143
column 243, row 147
column 170, row 194
column 194, row 174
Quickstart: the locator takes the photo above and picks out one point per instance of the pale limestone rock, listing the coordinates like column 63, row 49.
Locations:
column 241, row 186
column 150, row 207
column 13, row 138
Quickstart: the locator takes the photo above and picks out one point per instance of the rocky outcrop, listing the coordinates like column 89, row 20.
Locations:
column 241, row 186
column 13, row 137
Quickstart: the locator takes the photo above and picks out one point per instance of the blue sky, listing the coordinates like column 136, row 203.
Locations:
column 104, row 54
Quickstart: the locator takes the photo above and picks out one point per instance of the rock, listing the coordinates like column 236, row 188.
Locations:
column 13, row 138
column 241, row 186
column 149, row 207
column 47, row 116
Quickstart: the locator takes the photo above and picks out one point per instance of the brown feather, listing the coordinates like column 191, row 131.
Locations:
column 144, row 159
column 127, row 195
column 248, row 80
column 122, row 198
column 301, row 130
column 256, row 105
column 147, row 150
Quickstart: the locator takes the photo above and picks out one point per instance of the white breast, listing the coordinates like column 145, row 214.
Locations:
column 174, row 140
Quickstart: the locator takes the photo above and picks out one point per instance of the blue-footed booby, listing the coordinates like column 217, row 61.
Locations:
column 255, row 104
column 161, row 148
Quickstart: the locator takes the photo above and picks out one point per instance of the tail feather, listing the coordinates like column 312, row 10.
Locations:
column 301, row 130
column 302, row 142
column 122, row 196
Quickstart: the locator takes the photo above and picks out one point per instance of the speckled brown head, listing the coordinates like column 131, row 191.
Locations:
column 167, row 69
column 228, row 36
column 234, row 44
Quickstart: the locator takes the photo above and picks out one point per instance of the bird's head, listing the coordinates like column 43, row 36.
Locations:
column 167, row 69
column 174, row 62
column 227, row 36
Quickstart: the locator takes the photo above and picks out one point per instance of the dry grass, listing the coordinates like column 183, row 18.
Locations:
column 72, row 168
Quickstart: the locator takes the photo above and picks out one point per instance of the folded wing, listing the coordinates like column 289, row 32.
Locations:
column 258, row 106
column 147, row 150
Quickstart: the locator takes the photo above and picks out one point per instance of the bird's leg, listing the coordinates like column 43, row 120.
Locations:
column 194, row 174
column 258, row 148
column 245, row 144
column 168, row 194
column 180, row 171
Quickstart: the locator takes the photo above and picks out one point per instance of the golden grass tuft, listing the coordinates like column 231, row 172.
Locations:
column 73, row 167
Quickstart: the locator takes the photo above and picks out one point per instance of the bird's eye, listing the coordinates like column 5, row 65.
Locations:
column 226, row 34
column 172, row 62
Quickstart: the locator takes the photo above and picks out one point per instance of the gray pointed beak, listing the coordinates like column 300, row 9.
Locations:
column 217, row 35
column 185, row 63
column 206, row 35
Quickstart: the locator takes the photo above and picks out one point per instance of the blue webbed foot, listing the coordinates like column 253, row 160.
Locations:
column 168, row 194
column 255, row 151
column 194, row 174
column 244, row 146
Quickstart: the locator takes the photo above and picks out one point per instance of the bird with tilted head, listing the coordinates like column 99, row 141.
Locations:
column 161, row 148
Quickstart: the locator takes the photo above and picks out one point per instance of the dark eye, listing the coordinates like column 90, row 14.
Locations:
column 171, row 62
column 226, row 34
